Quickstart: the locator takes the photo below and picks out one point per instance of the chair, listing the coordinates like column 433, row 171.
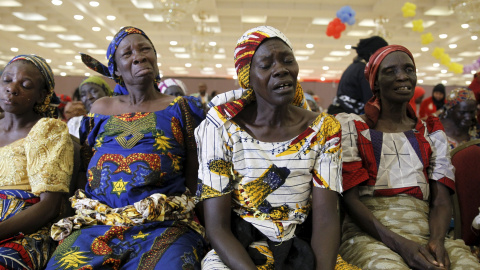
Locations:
column 466, row 160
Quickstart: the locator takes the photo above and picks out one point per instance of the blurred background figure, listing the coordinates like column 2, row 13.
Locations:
column 432, row 104
column 475, row 87
column 64, row 99
column 203, row 95
column 91, row 89
column 312, row 103
column 172, row 87
column 353, row 89
column 417, row 98
column 73, row 109
column 459, row 117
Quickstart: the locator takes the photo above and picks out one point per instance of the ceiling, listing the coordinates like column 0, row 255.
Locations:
column 303, row 21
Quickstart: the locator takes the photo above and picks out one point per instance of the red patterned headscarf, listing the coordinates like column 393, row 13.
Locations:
column 373, row 106
column 247, row 44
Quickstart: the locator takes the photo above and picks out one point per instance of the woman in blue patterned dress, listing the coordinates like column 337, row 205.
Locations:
column 137, row 211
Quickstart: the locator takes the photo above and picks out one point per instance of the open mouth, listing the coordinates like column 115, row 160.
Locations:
column 403, row 89
column 283, row 86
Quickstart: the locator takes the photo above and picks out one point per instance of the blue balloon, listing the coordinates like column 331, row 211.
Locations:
column 346, row 15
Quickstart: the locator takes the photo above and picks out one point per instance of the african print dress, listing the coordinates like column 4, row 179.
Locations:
column 270, row 182
column 136, row 212
column 393, row 172
column 40, row 162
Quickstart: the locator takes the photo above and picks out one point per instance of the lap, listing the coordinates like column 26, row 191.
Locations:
column 137, row 247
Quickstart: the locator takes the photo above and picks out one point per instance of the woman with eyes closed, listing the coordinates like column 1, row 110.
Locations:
column 266, row 162
column 137, row 210
column 397, row 177
column 36, row 163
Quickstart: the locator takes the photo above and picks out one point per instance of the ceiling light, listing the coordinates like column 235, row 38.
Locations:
column 464, row 25
column 218, row 65
column 321, row 21
column 78, row 57
column 10, row 3
column 419, row 81
column 177, row 68
column 212, row 43
column 109, row 38
column 425, row 24
column 13, row 49
column 424, row 49
column 63, row 74
column 96, row 28
column 173, row 43
column 188, row 64
column 11, row 28
column 87, row 74
column 436, row 64
column 52, row 28
column 78, row 17
column 332, row 59
column 325, row 68
column 64, row 51
column 57, row 2
column 309, row 45
column 51, row 45
column 48, row 60
column 159, row 64
column 84, row 45
column 452, row 46
column 177, row 49
column 234, row 77
column 254, row 19
column 182, row 55
column 111, row 18
column 69, row 63
column 70, row 37
column 359, row 33
column 143, row 4
column 439, row 11
column 29, row 16
column 304, row 52
column 368, row 23
column 94, row 3
column 154, row 17
column 444, row 81
column 30, row 37
column 340, row 53
column 322, row 79
column 443, row 36
column 473, row 72
column 301, row 58
column 443, row 71
column 474, row 37
column 219, row 56
column 348, row 47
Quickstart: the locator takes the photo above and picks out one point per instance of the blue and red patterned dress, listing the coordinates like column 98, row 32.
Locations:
column 136, row 198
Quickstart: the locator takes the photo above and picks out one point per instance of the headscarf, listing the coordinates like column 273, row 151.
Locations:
column 458, row 95
column 441, row 89
column 247, row 44
column 368, row 46
column 109, row 72
column 163, row 85
column 45, row 108
column 97, row 80
column 372, row 108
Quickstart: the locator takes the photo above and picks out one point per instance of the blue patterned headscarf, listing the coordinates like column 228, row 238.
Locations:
column 95, row 65
column 44, row 108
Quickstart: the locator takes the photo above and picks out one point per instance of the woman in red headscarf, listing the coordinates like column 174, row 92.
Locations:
column 397, row 177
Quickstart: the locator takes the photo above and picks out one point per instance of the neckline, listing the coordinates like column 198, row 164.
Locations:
column 130, row 113
column 312, row 126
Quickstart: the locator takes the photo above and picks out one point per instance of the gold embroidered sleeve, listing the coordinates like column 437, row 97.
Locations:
column 49, row 151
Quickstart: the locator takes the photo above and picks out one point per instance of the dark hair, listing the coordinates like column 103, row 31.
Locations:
column 367, row 46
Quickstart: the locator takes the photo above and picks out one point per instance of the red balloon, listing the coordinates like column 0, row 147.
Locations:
column 335, row 28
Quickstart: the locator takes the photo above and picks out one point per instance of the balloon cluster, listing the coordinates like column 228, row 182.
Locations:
column 467, row 69
column 344, row 15
column 408, row 10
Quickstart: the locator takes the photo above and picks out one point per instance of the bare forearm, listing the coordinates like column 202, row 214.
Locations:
column 33, row 218
column 440, row 212
column 232, row 253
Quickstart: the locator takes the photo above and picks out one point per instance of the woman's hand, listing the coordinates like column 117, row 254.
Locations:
column 418, row 256
column 437, row 249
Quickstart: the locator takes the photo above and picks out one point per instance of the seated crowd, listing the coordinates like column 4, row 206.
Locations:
column 260, row 180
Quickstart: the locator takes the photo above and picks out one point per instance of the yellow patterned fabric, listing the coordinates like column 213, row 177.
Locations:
column 40, row 162
column 156, row 207
column 406, row 216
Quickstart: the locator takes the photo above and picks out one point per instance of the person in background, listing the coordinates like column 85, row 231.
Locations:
column 137, row 209
column 312, row 103
column 417, row 98
column 36, row 161
column 432, row 105
column 264, row 162
column 76, row 95
column 91, row 89
column 64, row 99
column 203, row 95
column 397, row 177
column 459, row 117
column 172, row 87
column 74, row 109
column 475, row 87
column 353, row 89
